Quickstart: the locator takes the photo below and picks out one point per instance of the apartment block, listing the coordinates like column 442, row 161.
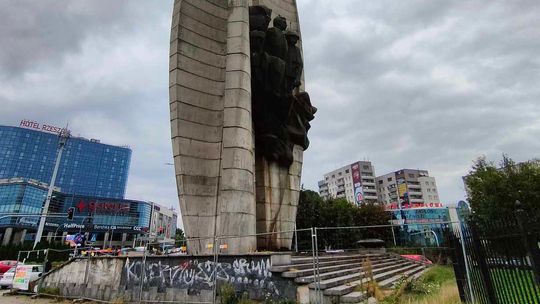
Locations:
column 354, row 182
column 407, row 186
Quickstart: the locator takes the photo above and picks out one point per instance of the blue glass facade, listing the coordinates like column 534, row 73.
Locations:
column 95, row 215
column 23, row 196
column 87, row 167
column 102, row 213
column 421, row 226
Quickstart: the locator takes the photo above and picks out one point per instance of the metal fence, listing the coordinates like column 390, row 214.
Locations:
column 494, row 262
column 501, row 260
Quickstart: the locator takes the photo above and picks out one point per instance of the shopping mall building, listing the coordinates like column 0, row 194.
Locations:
column 420, row 224
column 91, row 179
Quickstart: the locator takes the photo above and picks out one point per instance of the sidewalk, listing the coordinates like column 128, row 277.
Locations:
column 22, row 299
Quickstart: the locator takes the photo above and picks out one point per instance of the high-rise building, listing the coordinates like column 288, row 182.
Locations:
column 407, row 186
column 87, row 167
column 163, row 224
column 354, row 182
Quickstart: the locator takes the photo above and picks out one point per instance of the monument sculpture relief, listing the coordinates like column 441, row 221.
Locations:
column 239, row 121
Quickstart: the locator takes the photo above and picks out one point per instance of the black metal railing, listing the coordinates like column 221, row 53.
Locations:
column 502, row 260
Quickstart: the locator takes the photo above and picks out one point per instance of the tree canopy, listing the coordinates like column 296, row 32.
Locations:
column 313, row 211
column 493, row 190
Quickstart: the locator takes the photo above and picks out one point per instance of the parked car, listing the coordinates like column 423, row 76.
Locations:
column 32, row 274
column 7, row 278
column 6, row 265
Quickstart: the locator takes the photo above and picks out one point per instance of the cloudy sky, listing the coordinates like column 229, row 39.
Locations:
column 404, row 84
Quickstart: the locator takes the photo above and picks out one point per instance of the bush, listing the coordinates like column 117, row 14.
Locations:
column 55, row 291
column 230, row 296
column 432, row 280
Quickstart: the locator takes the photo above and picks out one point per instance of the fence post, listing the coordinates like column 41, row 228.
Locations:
column 465, row 261
column 44, row 271
column 143, row 274
column 312, row 231
column 317, row 278
column 216, row 248
column 529, row 241
column 482, row 264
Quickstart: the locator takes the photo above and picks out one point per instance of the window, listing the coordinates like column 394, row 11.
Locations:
column 389, row 179
column 365, row 167
column 411, row 175
column 380, row 182
column 347, row 171
column 333, row 176
column 339, row 174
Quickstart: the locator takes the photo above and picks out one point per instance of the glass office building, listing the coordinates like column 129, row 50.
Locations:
column 87, row 167
column 420, row 226
column 106, row 221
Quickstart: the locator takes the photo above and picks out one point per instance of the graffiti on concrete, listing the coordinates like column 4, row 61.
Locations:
column 242, row 273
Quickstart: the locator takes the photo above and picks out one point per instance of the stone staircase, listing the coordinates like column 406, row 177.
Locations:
column 340, row 274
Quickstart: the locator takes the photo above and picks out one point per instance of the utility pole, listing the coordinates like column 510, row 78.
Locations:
column 62, row 140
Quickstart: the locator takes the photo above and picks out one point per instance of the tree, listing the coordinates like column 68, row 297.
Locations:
column 313, row 211
column 179, row 236
column 308, row 213
column 493, row 190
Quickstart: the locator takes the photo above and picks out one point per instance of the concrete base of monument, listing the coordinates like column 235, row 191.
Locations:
column 258, row 276
column 172, row 278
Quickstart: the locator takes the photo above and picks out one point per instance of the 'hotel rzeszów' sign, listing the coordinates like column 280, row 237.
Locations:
column 29, row 124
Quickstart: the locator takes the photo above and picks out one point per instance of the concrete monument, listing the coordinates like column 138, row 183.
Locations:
column 239, row 121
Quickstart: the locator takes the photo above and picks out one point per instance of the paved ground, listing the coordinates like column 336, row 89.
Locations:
column 8, row 299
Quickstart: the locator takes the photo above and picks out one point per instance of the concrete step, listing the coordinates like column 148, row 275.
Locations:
column 357, row 296
column 325, row 262
column 343, row 270
column 322, row 258
column 294, row 273
column 326, row 284
column 353, row 297
column 387, row 283
column 350, row 285
column 418, row 274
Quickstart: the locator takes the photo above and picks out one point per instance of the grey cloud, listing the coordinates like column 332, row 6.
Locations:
column 421, row 84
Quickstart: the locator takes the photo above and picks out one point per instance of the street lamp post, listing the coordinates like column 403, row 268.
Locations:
column 114, row 219
column 63, row 137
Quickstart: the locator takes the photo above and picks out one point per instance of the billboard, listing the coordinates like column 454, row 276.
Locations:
column 357, row 184
column 403, row 194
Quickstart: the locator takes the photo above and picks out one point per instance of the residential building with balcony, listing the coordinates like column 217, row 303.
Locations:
column 407, row 186
column 354, row 182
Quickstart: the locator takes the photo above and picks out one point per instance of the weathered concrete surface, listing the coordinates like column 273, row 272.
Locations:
column 211, row 126
column 212, row 131
column 278, row 189
column 161, row 278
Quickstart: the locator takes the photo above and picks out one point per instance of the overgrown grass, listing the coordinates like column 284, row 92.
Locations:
column 228, row 295
column 437, row 285
column 446, row 294
column 438, row 274
column 515, row 285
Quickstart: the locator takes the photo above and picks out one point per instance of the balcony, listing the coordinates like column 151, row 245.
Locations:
column 413, row 186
